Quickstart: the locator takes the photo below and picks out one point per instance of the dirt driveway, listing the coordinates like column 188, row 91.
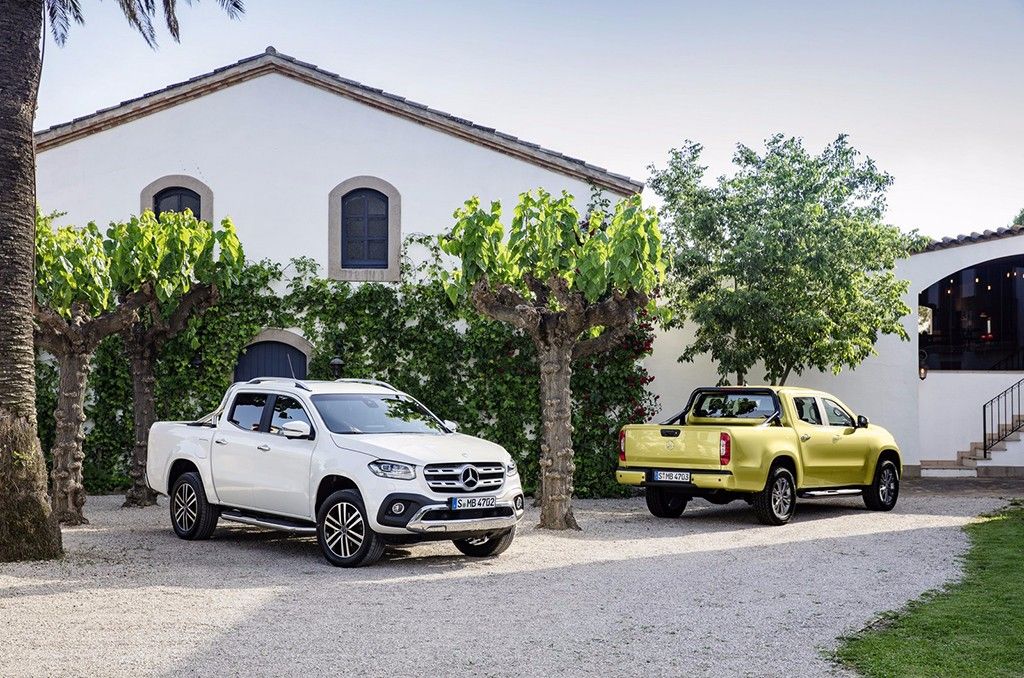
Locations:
column 711, row 593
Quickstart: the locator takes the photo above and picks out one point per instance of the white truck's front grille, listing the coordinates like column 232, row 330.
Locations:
column 460, row 478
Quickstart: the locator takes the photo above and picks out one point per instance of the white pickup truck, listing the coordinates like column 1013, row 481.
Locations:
column 358, row 462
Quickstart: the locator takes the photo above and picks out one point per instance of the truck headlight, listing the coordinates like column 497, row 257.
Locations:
column 510, row 468
column 392, row 469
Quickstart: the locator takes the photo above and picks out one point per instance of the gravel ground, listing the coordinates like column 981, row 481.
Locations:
column 711, row 593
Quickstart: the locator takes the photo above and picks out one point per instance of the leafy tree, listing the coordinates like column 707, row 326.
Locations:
column 76, row 308
column 27, row 527
column 788, row 263
column 572, row 285
column 1019, row 219
column 187, row 262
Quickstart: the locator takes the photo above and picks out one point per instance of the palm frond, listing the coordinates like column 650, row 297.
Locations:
column 234, row 8
column 139, row 14
column 61, row 13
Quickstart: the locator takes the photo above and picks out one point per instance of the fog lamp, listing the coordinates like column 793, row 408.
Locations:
column 398, row 508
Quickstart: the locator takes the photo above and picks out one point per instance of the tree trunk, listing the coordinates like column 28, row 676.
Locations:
column 68, row 488
column 143, row 358
column 556, row 454
column 28, row 529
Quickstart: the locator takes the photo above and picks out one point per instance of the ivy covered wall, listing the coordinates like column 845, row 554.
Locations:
column 474, row 371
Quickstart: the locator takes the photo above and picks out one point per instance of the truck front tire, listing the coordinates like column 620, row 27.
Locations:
column 882, row 493
column 482, row 547
column 664, row 503
column 192, row 516
column 344, row 533
column 775, row 504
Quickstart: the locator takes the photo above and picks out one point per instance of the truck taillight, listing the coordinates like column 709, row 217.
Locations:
column 724, row 448
column 622, row 445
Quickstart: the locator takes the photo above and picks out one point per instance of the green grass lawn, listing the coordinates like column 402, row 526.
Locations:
column 973, row 628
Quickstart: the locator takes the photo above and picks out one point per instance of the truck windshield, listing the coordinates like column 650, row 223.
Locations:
column 358, row 413
column 733, row 405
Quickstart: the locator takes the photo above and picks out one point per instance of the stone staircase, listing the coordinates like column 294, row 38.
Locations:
column 1006, row 457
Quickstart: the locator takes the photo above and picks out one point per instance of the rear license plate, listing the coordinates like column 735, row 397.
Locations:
column 673, row 476
column 460, row 503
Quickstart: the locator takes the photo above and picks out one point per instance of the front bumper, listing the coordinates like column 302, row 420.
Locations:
column 434, row 518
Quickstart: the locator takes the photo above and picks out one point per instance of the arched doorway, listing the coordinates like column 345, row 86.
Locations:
column 274, row 353
column 973, row 319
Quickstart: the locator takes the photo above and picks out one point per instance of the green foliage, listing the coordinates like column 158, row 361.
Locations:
column 606, row 252
column 72, row 268
column 788, row 263
column 1019, row 219
column 478, row 372
column 172, row 253
column 972, row 628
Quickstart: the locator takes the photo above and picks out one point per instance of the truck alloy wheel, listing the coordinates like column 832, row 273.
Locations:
column 487, row 545
column 775, row 504
column 191, row 515
column 881, row 495
column 344, row 534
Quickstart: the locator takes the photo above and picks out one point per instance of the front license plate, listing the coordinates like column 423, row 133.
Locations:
column 460, row 503
column 673, row 476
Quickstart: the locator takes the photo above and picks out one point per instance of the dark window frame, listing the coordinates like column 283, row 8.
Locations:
column 178, row 192
column 366, row 262
column 269, row 416
column 263, row 425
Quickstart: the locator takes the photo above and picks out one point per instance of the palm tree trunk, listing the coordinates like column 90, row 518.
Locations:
column 556, row 453
column 28, row 529
column 68, row 483
column 143, row 358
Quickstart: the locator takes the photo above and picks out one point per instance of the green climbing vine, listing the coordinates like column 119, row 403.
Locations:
column 477, row 372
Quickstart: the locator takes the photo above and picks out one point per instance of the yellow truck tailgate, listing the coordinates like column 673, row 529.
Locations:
column 698, row 447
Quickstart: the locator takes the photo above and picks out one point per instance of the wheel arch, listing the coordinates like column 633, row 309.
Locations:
column 788, row 460
column 328, row 485
column 888, row 454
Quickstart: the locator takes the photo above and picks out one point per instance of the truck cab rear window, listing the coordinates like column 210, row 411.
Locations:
column 733, row 406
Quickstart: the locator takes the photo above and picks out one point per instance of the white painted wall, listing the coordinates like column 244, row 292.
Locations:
column 950, row 405
column 271, row 149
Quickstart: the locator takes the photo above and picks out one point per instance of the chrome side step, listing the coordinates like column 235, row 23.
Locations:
column 272, row 523
column 830, row 493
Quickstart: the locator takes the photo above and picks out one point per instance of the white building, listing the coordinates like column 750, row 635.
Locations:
column 308, row 163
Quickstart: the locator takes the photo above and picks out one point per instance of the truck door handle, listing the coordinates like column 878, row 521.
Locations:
column 221, row 441
column 804, row 438
column 263, row 448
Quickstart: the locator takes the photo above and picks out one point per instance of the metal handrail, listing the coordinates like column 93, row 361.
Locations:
column 1001, row 417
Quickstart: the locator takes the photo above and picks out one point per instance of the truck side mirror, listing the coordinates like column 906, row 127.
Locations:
column 862, row 421
column 296, row 429
column 451, row 425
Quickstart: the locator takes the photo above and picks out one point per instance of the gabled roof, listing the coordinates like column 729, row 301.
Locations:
column 271, row 61
column 965, row 239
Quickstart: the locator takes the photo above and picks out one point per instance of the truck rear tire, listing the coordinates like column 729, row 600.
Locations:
column 775, row 504
column 482, row 547
column 882, row 493
column 664, row 503
column 344, row 533
column 192, row 516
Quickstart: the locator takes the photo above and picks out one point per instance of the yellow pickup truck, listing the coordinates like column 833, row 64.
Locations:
column 765, row 445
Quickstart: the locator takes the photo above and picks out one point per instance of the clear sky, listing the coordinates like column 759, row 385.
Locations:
column 932, row 90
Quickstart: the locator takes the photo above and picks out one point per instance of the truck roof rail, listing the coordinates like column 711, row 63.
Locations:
column 295, row 382
column 374, row 382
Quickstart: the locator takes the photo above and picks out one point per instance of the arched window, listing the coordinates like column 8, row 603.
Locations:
column 177, row 199
column 364, row 229
column 974, row 319
column 176, row 193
